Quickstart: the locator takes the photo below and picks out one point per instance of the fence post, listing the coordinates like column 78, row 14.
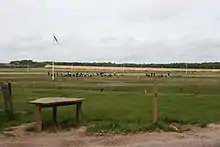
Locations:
column 155, row 118
column 7, row 95
column 11, row 110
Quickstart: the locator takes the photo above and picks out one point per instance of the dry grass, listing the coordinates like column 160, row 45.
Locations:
column 122, row 106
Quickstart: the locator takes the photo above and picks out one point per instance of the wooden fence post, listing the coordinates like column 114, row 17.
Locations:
column 155, row 118
column 11, row 110
column 7, row 95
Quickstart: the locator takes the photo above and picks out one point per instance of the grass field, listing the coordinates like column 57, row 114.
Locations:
column 122, row 106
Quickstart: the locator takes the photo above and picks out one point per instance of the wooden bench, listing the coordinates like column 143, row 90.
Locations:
column 54, row 102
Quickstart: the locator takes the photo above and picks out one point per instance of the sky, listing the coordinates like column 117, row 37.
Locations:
column 142, row 31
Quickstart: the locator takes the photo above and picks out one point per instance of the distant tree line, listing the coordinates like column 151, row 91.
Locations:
column 27, row 63
column 35, row 64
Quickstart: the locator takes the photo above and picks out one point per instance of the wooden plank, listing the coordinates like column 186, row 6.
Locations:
column 54, row 103
column 55, row 100
column 78, row 111
column 55, row 114
column 38, row 118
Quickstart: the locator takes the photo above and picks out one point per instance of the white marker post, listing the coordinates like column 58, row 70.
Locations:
column 72, row 68
column 53, row 76
column 28, row 67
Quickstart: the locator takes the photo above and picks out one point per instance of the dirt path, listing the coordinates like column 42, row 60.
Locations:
column 208, row 137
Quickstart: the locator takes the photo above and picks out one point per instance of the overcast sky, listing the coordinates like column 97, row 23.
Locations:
column 143, row 31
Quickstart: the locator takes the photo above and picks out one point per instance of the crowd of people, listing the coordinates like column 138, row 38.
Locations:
column 80, row 74
column 105, row 74
column 168, row 75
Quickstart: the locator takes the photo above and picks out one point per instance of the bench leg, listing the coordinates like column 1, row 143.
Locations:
column 78, row 111
column 55, row 114
column 38, row 118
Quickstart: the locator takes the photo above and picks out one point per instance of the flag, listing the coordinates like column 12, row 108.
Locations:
column 55, row 39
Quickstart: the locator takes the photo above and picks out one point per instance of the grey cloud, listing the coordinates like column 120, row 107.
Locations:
column 125, row 30
column 107, row 39
column 200, row 50
column 207, row 43
column 154, row 11
column 30, row 38
column 218, row 18
column 26, row 46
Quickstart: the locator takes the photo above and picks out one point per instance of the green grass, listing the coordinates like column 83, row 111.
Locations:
column 122, row 107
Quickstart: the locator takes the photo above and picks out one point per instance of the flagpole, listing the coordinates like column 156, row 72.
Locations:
column 27, row 67
column 72, row 68
column 53, row 76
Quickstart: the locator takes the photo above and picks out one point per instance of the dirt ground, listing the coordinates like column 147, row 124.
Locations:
column 207, row 137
